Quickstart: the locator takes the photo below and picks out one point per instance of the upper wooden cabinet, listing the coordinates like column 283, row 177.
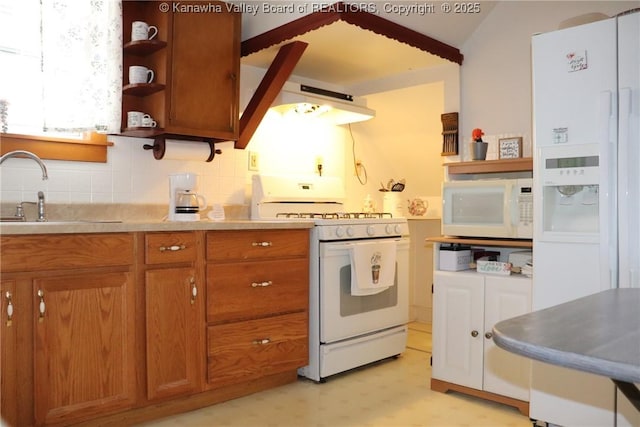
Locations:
column 195, row 57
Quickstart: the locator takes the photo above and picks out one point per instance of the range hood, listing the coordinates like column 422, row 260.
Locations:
column 338, row 108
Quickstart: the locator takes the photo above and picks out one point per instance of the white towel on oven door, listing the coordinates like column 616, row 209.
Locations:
column 373, row 266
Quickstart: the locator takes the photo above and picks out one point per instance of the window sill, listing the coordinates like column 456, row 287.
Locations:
column 92, row 148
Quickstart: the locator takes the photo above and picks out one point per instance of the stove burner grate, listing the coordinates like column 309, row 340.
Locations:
column 335, row 215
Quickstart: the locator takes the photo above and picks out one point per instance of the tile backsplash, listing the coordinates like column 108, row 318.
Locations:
column 131, row 175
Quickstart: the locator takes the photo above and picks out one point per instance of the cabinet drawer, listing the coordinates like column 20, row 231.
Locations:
column 242, row 351
column 253, row 289
column 165, row 248
column 64, row 251
column 256, row 244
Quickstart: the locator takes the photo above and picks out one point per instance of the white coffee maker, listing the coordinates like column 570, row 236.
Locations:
column 184, row 203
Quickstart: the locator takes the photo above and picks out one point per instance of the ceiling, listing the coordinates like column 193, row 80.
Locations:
column 344, row 54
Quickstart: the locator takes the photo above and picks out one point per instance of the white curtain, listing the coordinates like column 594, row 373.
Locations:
column 82, row 65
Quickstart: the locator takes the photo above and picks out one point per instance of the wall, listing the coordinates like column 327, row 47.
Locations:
column 496, row 73
column 131, row 175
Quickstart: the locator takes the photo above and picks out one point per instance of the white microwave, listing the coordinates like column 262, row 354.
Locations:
column 500, row 208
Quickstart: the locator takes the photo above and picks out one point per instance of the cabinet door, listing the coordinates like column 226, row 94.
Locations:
column 12, row 316
column 457, row 328
column 172, row 332
column 84, row 346
column 205, row 61
column 505, row 373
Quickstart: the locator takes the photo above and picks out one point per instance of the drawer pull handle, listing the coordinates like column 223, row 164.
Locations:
column 172, row 248
column 9, row 308
column 262, row 341
column 261, row 284
column 474, row 333
column 262, row 244
column 194, row 289
column 488, row 335
column 41, row 307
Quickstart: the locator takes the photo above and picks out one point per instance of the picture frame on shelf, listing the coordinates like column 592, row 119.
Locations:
column 510, row 148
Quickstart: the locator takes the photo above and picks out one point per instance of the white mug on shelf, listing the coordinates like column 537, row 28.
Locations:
column 140, row 74
column 148, row 122
column 134, row 119
column 142, row 31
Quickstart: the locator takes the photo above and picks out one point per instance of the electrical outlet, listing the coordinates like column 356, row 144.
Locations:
column 253, row 161
column 319, row 165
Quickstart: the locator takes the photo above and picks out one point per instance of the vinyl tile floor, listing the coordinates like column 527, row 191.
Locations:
column 393, row 392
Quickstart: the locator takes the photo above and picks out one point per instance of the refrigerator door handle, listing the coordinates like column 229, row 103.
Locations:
column 625, row 165
column 608, row 235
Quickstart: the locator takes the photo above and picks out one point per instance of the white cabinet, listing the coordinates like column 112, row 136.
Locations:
column 466, row 305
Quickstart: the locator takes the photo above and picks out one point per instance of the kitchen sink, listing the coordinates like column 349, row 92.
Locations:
column 13, row 220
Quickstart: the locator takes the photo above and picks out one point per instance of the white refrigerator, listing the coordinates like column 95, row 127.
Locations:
column 586, row 106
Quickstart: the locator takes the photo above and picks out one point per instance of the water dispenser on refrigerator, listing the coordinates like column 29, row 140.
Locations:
column 569, row 177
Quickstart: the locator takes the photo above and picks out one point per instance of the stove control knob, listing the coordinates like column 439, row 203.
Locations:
column 371, row 230
column 339, row 231
column 350, row 231
column 388, row 229
column 398, row 229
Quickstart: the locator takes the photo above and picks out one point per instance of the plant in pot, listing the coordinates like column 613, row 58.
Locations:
column 478, row 146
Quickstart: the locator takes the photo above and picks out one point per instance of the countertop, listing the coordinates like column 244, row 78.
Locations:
column 116, row 218
column 57, row 227
column 599, row 334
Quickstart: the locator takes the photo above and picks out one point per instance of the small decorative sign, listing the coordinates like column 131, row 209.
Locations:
column 494, row 267
column 577, row 61
column 510, row 148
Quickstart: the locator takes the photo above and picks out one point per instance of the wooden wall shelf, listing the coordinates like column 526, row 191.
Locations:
column 524, row 164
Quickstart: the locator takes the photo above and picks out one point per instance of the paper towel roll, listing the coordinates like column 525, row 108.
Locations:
column 187, row 150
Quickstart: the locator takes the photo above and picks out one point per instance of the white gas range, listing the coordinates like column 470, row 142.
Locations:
column 359, row 272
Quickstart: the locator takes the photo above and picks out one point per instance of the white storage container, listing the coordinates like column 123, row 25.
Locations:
column 455, row 257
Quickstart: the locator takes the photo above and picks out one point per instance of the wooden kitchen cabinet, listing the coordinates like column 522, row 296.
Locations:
column 174, row 318
column 196, row 61
column 257, row 304
column 72, row 348
column 112, row 329
column 466, row 306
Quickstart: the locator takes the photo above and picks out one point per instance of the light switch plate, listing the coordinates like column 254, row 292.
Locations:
column 253, row 161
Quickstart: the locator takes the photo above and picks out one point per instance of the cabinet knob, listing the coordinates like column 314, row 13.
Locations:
column 261, row 284
column 261, row 341
column 474, row 333
column 262, row 244
column 488, row 335
column 9, row 308
column 194, row 289
column 172, row 248
column 41, row 306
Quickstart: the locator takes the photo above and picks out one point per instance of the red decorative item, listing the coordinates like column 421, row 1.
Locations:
column 476, row 134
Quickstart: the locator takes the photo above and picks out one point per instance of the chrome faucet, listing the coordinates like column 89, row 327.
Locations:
column 29, row 154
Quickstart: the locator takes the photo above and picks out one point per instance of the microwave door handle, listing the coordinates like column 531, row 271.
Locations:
column 508, row 209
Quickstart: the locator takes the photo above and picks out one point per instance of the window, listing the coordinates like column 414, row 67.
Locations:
column 61, row 67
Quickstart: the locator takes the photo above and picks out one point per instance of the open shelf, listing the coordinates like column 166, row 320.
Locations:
column 142, row 89
column 523, row 164
column 143, row 47
column 515, row 243
column 142, row 132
